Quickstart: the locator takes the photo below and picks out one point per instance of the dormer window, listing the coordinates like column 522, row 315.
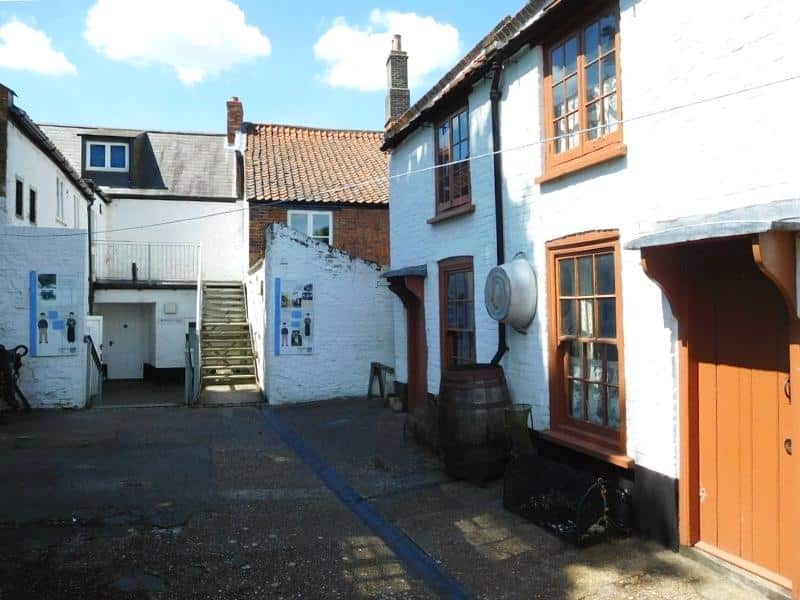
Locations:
column 106, row 156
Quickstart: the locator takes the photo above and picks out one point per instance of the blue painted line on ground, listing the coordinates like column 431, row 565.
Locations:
column 418, row 562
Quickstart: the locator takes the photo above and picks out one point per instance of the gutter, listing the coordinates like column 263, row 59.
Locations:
column 495, row 95
column 91, row 257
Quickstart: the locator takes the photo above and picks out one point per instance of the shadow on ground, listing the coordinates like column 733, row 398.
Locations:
column 209, row 503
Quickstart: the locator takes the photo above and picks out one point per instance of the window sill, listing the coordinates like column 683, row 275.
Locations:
column 590, row 448
column 452, row 213
column 602, row 155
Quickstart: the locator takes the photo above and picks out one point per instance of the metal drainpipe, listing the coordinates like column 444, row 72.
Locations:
column 91, row 258
column 495, row 96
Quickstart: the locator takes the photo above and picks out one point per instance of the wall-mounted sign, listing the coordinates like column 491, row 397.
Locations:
column 294, row 317
column 56, row 318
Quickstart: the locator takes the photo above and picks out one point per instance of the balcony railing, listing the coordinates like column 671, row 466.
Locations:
column 146, row 262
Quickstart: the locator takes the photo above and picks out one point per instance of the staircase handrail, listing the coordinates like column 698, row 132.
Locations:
column 94, row 372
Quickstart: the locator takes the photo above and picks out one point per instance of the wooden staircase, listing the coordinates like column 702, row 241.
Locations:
column 227, row 361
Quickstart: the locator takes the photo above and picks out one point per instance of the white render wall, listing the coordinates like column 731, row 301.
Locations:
column 36, row 169
column 47, row 382
column 220, row 228
column 256, row 291
column 727, row 153
column 170, row 330
column 353, row 313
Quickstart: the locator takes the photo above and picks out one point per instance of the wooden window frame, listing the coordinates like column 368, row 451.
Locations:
column 448, row 266
column 588, row 152
column 462, row 204
column 598, row 441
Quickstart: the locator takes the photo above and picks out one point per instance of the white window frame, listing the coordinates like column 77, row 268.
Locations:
column 310, row 222
column 108, row 146
column 60, row 201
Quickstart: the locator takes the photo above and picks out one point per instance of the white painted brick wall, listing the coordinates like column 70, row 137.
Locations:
column 37, row 170
column 728, row 153
column 47, row 382
column 256, row 315
column 353, row 311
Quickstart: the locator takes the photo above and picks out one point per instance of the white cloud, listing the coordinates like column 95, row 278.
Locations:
column 24, row 48
column 357, row 55
column 196, row 38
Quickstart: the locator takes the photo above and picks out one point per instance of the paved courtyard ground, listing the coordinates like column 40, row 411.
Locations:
column 212, row 503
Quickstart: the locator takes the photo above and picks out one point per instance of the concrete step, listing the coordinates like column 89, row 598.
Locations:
column 227, row 350
column 226, row 324
column 225, row 344
column 224, row 359
column 223, row 303
column 228, row 370
column 232, row 394
column 216, row 335
column 223, row 379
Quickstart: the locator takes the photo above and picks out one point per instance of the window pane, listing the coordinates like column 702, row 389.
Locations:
column 594, row 362
column 608, row 318
column 560, row 142
column 605, row 273
column 444, row 184
column 592, row 81
column 464, row 126
column 612, row 365
column 444, row 136
column 572, row 94
column 557, row 62
column 587, row 318
column 299, row 222
column 586, row 276
column 610, row 113
column 596, row 404
column 591, row 41
column 466, row 347
column 576, row 399
column 322, row 225
column 576, row 359
column 468, row 283
column 469, row 308
column 118, row 157
column 573, row 126
column 593, row 120
column 571, row 55
column 456, row 286
column 97, row 155
column 569, row 317
column 566, row 275
column 558, row 100
column 456, row 133
column 613, row 407
column 608, row 28
column 609, row 74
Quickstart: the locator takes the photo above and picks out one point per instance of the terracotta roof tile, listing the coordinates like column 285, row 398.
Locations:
column 284, row 162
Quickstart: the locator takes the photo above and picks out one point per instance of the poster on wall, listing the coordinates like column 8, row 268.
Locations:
column 294, row 317
column 56, row 317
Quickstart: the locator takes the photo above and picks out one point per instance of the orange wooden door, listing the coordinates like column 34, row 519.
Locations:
column 740, row 342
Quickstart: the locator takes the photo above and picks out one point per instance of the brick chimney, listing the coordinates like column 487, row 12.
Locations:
column 398, row 96
column 235, row 118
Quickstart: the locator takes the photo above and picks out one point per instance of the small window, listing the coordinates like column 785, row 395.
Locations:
column 32, row 205
column 19, row 199
column 457, row 311
column 106, row 156
column 317, row 225
column 587, row 398
column 452, row 146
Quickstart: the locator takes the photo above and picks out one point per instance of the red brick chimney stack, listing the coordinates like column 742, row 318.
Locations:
column 235, row 118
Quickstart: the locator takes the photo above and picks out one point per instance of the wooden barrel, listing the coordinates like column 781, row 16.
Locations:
column 472, row 430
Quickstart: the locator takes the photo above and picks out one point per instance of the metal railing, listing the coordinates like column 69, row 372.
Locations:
column 193, row 373
column 146, row 261
column 94, row 373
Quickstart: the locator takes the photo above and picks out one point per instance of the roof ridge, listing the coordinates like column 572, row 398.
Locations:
column 377, row 132
column 140, row 130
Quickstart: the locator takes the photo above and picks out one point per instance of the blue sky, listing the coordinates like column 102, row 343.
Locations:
column 108, row 62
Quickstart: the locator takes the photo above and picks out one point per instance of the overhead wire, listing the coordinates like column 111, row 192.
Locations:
column 327, row 192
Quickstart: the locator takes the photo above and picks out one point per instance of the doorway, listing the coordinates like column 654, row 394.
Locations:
column 128, row 338
column 739, row 351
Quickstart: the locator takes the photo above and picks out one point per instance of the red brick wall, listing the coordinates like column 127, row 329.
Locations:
column 361, row 232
